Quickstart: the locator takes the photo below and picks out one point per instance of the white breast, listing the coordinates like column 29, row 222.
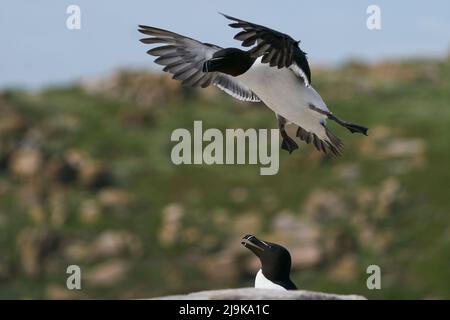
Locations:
column 262, row 282
column 286, row 94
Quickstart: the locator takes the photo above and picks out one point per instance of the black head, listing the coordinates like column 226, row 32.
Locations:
column 230, row 61
column 275, row 260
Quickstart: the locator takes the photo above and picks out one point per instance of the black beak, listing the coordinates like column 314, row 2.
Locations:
column 250, row 242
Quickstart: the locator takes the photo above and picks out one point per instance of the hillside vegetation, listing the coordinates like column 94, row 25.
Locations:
column 86, row 179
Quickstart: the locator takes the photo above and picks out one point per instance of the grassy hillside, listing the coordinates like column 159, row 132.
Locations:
column 86, row 179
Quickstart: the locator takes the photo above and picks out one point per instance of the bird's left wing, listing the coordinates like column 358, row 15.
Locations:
column 276, row 48
column 184, row 58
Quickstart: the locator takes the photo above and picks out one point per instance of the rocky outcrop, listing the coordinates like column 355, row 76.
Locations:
column 260, row 294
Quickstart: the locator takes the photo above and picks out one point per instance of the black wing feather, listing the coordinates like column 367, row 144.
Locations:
column 287, row 52
column 334, row 145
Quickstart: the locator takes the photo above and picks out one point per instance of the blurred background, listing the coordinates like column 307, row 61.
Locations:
column 86, row 176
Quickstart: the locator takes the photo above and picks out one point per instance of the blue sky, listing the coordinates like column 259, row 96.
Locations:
column 38, row 50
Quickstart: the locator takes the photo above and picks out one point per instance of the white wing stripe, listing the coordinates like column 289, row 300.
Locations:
column 299, row 72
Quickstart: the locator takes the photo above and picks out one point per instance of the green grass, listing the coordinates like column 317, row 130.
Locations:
column 414, row 263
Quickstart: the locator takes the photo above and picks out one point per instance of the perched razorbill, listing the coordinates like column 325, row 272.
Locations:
column 275, row 264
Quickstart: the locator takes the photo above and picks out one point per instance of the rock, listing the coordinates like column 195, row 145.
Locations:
column 76, row 251
column 109, row 244
column 114, row 198
column 114, row 243
column 390, row 194
column 169, row 233
column 383, row 143
column 245, row 223
column 324, row 205
column 107, row 273
column 26, row 162
column 306, row 256
column 227, row 261
column 348, row 172
column 304, row 230
column 89, row 211
column 401, row 147
column 260, row 294
column 301, row 236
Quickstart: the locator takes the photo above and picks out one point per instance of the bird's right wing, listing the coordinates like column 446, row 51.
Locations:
column 276, row 48
column 184, row 58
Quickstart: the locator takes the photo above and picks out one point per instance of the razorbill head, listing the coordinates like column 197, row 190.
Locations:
column 273, row 70
column 275, row 264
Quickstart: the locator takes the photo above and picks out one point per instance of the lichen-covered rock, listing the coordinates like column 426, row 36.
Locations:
column 260, row 294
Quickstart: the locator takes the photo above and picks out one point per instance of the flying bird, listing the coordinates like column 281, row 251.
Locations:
column 275, row 264
column 274, row 70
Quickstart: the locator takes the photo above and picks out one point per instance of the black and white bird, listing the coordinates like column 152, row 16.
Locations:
column 274, row 70
column 275, row 264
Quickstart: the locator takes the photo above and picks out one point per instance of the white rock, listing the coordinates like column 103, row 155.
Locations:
column 260, row 294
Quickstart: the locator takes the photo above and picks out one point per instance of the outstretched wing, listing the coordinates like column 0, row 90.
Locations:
column 184, row 57
column 276, row 48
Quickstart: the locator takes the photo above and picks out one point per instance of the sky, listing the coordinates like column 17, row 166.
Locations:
column 38, row 50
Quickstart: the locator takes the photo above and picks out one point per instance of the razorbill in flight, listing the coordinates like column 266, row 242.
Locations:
column 275, row 264
column 274, row 70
